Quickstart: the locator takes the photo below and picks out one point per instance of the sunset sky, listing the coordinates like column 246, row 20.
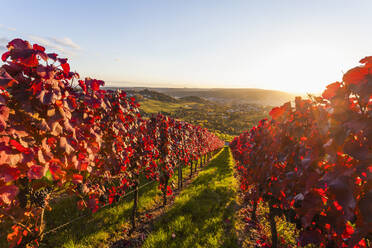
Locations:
column 295, row 46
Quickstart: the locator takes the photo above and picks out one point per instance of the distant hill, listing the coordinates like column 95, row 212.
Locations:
column 228, row 111
column 156, row 95
column 145, row 93
column 197, row 99
column 225, row 96
column 235, row 96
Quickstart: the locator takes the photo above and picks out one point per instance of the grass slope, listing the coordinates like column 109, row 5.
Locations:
column 203, row 214
column 155, row 106
column 101, row 228
column 96, row 230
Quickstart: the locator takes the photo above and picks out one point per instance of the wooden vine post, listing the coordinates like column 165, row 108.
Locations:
column 191, row 164
column 135, row 204
column 254, row 211
column 274, row 233
column 164, row 189
column 42, row 224
column 180, row 176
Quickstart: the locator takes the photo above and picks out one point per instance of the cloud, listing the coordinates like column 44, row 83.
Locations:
column 3, row 43
column 65, row 45
column 7, row 28
column 45, row 42
column 66, row 42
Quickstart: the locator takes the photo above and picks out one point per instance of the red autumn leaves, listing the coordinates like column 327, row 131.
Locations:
column 319, row 153
column 81, row 140
column 361, row 74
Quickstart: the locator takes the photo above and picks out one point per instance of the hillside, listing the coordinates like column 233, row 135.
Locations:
column 230, row 118
column 236, row 96
column 225, row 111
column 257, row 96
column 194, row 99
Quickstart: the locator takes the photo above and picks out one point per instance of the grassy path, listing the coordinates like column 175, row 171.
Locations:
column 98, row 229
column 102, row 228
column 203, row 214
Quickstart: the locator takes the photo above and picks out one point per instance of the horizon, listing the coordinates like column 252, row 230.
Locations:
column 205, row 88
column 295, row 47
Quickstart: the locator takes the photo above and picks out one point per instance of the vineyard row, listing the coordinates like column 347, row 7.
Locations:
column 60, row 134
column 312, row 163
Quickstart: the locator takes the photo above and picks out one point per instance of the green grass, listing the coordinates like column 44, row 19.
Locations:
column 200, row 213
column 286, row 231
column 97, row 229
column 203, row 214
column 155, row 106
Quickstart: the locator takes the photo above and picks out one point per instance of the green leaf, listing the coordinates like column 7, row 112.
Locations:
column 48, row 176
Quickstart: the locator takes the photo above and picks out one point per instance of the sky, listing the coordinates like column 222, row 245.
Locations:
column 295, row 46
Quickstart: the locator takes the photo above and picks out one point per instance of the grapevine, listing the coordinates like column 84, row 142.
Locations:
column 63, row 134
column 311, row 162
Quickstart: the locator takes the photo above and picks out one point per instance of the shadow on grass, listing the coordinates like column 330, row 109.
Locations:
column 203, row 214
column 206, row 205
column 96, row 229
column 101, row 228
